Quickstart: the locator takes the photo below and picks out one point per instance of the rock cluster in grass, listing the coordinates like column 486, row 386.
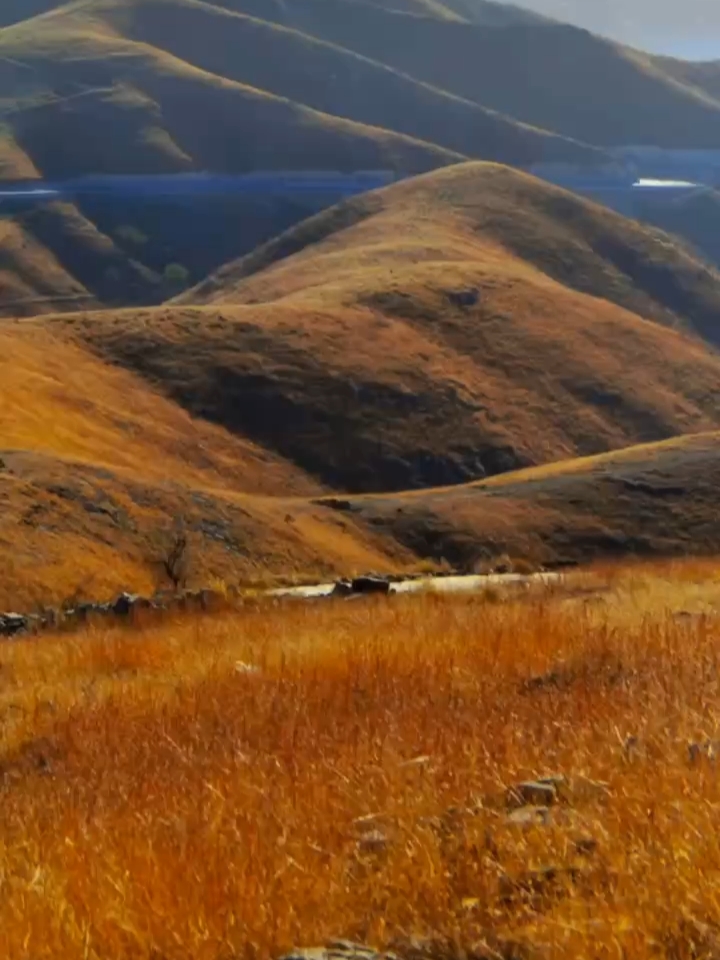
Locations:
column 539, row 802
column 123, row 607
column 127, row 605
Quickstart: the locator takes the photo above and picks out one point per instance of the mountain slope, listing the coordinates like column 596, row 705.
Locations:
column 72, row 531
column 53, row 258
column 179, row 86
column 77, row 99
column 98, row 473
column 655, row 500
column 104, row 104
column 702, row 76
column 289, row 63
column 59, row 400
column 554, row 76
column 459, row 324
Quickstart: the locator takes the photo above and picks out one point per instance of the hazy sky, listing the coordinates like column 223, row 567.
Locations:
column 682, row 27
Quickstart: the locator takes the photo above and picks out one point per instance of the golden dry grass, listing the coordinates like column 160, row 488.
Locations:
column 97, row 469
column 233, row 786
column 58, row 399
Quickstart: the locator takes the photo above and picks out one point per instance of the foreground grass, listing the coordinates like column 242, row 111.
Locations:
column 233, row 786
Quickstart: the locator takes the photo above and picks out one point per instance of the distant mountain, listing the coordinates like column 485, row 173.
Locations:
column 407, row 86
column 176, row 86
column 549, row 74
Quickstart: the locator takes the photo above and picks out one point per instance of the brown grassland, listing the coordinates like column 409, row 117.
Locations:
column 339, row 344
column 277, row 775
column 653, row 499
column 337, row 358
column 97, row 470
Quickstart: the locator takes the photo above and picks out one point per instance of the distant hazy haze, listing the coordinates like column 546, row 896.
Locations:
column 689, row 28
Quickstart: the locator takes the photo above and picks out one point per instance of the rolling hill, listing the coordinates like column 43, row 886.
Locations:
column 439, row 333
column 460, row 324
column 654, row 500
column 98, row 471
column 555, row 76
column 180, row 86
column 53, row 258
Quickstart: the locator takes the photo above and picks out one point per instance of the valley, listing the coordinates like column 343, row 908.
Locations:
column 359, row 471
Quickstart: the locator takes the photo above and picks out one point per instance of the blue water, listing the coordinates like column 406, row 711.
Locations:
column 277, row 183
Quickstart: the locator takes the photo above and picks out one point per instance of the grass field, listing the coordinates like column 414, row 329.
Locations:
column 236, row 785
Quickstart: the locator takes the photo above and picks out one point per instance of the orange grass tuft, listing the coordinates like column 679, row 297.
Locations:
column 233, row 786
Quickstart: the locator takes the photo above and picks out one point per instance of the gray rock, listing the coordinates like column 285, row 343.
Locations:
column 334, row 503
column 464, row 298
column 338, row 950
column 533, row 793
column 373, row 842
column 530, row 816
column 342, row 588
column 12, row 623
column 125, row 604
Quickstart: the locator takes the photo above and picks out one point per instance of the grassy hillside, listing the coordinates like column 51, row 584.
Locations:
column 74, row 531
column 554, row 76
column 346, row 344
column 291, row 64
column 53, row 258
column 504, row 215
column 59, row 400
column 380, row 733
column 79, row 97
column 449, row 328
column 106, row 104
column 702, row 76
column 648, row 500
column 174, row 86
column 98, row 472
